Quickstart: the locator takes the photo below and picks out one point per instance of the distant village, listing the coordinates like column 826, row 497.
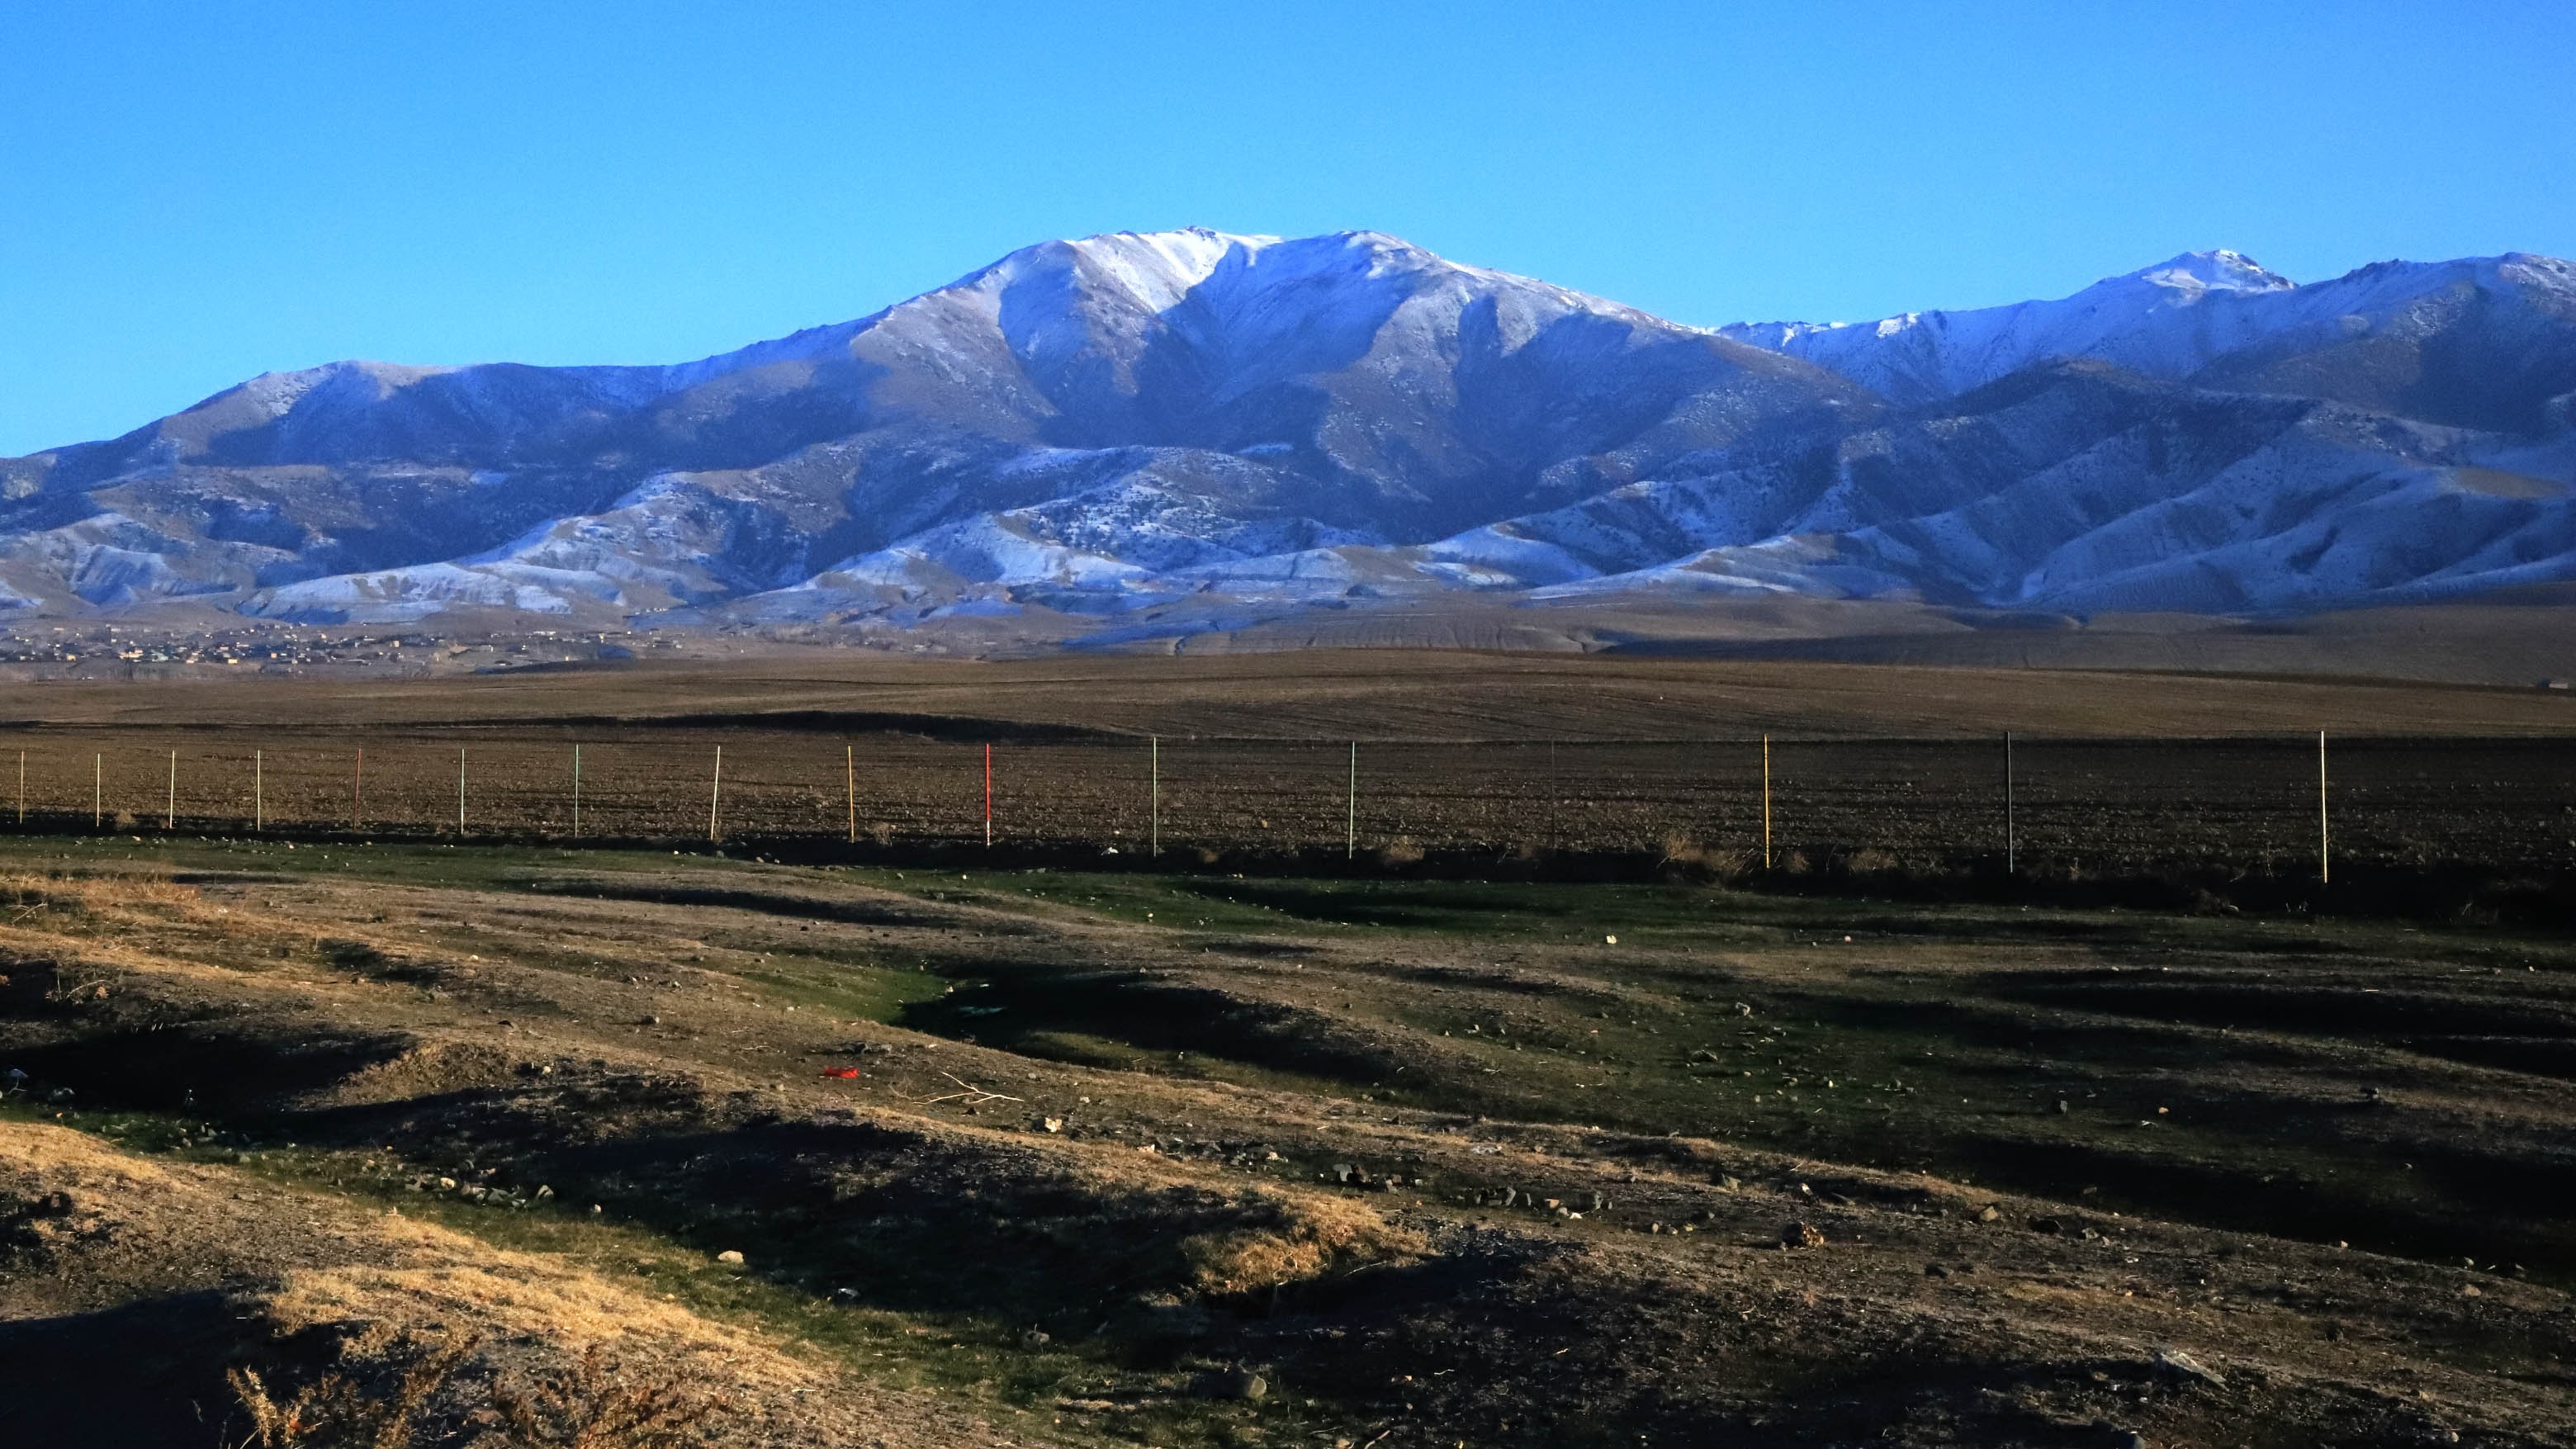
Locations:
column 129, row 651
column 144, row 649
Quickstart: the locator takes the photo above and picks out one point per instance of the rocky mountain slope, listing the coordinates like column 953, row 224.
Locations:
column 1162, row 433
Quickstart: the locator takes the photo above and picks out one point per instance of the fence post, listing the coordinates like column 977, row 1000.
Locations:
column 2009, row 840
column 97, row 790
column 1154, row 774
column 988, row 797
column 170, row 803
column 1766, row 802
column 850, row 783
column 2325, row 861
column 258, row 791
column 1351, row 811
column 715, row 796
column 576, row 792
column 22, row 787
column 358, row 792
column 460, row 790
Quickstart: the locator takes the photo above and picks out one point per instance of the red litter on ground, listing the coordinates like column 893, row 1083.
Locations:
column 840, row 1071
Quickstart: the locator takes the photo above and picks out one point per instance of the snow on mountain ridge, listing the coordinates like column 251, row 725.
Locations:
column 2171, row 320
column 1141, row 422
column 2213, row 271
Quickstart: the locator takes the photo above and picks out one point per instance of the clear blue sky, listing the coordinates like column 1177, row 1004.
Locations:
column 194, row 193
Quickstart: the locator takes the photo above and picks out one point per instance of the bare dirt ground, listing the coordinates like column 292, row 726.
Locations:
column 1042, row 1157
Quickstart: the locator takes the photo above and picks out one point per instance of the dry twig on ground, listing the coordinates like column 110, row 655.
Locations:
column 972, row 1096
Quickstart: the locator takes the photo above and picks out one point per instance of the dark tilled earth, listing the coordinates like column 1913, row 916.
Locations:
column 1504, row 756
column 1041, row 1157
column 2499, row 810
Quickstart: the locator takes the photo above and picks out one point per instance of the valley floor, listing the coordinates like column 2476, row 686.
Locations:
column 1052, row 1158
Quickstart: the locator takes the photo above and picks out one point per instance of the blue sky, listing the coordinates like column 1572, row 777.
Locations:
column 194, row 193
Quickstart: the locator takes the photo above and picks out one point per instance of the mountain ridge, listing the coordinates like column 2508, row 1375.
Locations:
column 1175, row 431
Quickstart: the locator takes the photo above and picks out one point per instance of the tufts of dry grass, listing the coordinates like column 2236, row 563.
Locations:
column 1304, row 1239
column 1869, row 860
column 376, row 1403
column 392, row 1379
column 96, row 893
column 1682, row 850
column 592, row 1404
column 1402, row 851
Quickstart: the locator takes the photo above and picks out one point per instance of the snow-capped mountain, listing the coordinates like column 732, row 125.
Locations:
column 1125, row 427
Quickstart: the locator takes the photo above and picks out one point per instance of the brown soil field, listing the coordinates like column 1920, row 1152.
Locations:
column 904, row 1157
column 2101, row 806
column 1386, row 695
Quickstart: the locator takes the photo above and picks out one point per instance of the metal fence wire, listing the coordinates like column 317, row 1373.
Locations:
column 2498, row 803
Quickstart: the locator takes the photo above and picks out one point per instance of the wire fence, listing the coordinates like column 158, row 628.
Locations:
column 2499, row 803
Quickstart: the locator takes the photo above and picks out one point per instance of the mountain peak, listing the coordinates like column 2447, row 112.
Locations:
column 2210, row 271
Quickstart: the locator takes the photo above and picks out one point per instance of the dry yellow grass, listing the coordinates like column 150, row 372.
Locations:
column 421, row 1274
column 1306, row 1238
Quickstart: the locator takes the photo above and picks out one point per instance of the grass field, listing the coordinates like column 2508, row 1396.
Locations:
column 1437, row 1161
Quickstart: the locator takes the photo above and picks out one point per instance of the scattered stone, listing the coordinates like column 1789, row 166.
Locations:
column 730, row 1256
column 1033, row 1340
column 1935, row 1270
column 2184, row 1364
column 1802, row 1235
column 652, row 1020
column 2051, row 1226
column 2471, row 1290
column 1990, row 1214
column 2062, row 1107
column 1246, row 1385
